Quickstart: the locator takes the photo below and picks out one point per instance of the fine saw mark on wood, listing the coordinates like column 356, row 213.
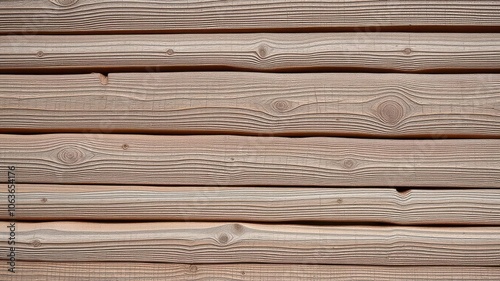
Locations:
column 257, row 204
column 263, row 104
column 251, row 243
column 108, row 16
column 402, row 52
column 251, row 161
column 128, row 271
column 250, row 140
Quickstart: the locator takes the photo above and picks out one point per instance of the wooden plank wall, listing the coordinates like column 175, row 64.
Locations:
column 249, row 140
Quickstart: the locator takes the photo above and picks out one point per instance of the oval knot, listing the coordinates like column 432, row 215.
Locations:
column 390, row 112
column 70, row 155
column 349, row 164
column 281, row 105
column 263, row 51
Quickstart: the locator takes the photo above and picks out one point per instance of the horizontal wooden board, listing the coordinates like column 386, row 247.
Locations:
column 73, row 271
column 247, row 243
column 408, row 52
column 264, row 204
column 242, row 160
column 326, row 104
column 77, row 16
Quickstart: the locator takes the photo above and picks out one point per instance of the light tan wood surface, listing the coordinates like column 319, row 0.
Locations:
column 409, row 52
column 250, row 243
column 265, row 104
column 251, row 161
column 113, row 271
column 258, row 204
column 218, row 140
column 77, row 16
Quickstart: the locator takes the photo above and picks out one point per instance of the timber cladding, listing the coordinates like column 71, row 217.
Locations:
column 249, row 140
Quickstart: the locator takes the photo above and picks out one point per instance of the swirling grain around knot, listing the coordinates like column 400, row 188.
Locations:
column 250, row 103
column 193, row 244
column 281, row 106
column 259, row 161
column 263, row 51
column 223, row 239
column 70, row 155
column 390, row 112
column 349, row 164
column 36, row 243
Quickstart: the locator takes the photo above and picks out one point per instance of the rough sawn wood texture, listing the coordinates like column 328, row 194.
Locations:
column 258, row 204
column 105, row 16
column 231, row 140
column 402, row 52
column 251, row 243
column 251, row 161
column 265, row 104
column 135, row 271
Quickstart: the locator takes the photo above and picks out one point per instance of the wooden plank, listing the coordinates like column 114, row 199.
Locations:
column 73, row 271
column 250, row 243
column 319, row 104
column 257, row 204
column 254, row 161
column 73, row 16
column 408, row 52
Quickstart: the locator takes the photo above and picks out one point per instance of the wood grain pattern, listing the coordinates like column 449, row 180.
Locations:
column 234, row 174
column 264, row 204
column 73, row 16
column 113, row 271
column 247, row 243
column 326, row 104
column 241, row 160
column 408, row 52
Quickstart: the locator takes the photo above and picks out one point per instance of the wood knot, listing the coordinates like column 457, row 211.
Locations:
column 193, row 268
column 223, row 238
column 281, row 105
column 40, row 54
column 238, row 228
column 263, row 51
column 390, row 112
column 64, row 3
column 170, row 52
column 44, row 200
column 125, row 146
column 36, row 243
column 70, row 155
column 340, row 201
column 348, row 164
column 407, row 51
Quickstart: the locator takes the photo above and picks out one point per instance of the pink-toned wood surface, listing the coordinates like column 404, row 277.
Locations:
column 108, row 16
column 134, row 271
column 249, row 140
column 255, row 243
column 251, row 161
column 258, row 204
column 263, row 104
column 393, row 52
